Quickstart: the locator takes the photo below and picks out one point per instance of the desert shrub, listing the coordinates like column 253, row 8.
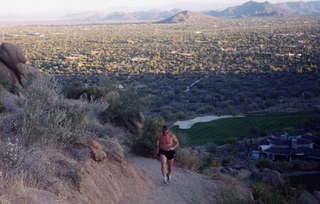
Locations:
column 209, row 162
column 187, row 159
column 128, row 104
column 10, row 154
column 231, row 140
column 212, row 148
column 44, row 116
column 175, row 116
column 269, row 194
column 285, row 166
column 74, row 91
column 205, row 109
column 263, row 163
column 146, row 144
column 2, row 108
column 105, row 85
column 230, row 190
column 228, row 196
column 226, row 161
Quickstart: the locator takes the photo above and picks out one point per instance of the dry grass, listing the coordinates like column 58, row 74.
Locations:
column 44, row 116
column 230, row 190
column 13, row 186
column 187, row 159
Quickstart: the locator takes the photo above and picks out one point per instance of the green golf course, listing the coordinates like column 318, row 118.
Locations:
column 231, row 129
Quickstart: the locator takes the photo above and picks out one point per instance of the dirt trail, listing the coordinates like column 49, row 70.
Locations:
column 186, row 187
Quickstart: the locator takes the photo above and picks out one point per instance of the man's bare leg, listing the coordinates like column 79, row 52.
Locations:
column 170, row 167
column 164, row 169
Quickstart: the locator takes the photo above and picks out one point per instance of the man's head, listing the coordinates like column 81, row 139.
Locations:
column 164, row 128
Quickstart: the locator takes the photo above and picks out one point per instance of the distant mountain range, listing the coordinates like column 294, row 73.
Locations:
column 264, row 9
column 248, row 9
column 188, row 17
column 153, row 14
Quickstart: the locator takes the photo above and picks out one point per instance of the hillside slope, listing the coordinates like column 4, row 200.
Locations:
column 251, row 9
column 50, row 149
column 188, row 17
column 267, row 9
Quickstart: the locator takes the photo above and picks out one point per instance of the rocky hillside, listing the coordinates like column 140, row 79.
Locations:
column 250, row 9
column 188, row 17
column 311, row 8
column 56, row 150
column 267, row 9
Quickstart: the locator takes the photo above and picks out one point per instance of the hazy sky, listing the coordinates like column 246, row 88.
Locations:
column 32, row 8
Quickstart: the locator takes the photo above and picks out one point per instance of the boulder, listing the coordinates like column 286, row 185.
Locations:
column 113, row 150
column 11, row 54
column 8, row 78
column 12, row 58
column 244, row 174
column 98, row 155
column 97, row 152
column 270, row 176
column 12, row 67
column 93, row 144
column 134, row 123
column 307, row 198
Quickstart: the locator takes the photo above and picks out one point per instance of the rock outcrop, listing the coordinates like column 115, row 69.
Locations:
column 13, row 68
column 133, row 122
column 136, row 123
column 73, row 176
column 269, row 176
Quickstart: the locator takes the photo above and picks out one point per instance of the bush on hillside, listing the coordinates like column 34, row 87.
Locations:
column 127, row 105
column 2, row 108
column 209, row 162
column 105, row 86
column 44, row 117
column 187, row 159
column 146, row 144
column 263, row 163
column 270, row 194
column 228, row 196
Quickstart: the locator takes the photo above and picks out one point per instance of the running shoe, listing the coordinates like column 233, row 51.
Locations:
column 165, row 180
column 169, row 179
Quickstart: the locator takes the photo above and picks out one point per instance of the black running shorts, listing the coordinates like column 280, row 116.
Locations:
column 169, row 154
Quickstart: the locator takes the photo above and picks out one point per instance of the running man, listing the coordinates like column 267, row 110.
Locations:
column 166, row 145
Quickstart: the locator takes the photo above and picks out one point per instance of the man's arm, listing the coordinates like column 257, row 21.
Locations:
column 157, row 145
column 176, row 142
